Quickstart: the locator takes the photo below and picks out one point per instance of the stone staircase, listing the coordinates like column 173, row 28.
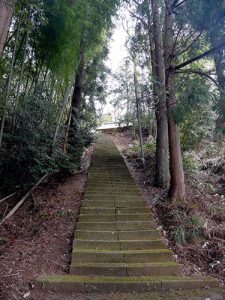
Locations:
column 117, row 247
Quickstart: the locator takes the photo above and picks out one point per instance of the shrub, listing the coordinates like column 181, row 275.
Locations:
column 29, row 152
column 190, row 163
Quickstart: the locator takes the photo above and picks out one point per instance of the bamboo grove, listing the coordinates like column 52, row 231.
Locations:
column 53, row 72
column 51, row 60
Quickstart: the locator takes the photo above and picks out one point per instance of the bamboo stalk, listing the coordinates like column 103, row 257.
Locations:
column 9, row 83
column 20, row 82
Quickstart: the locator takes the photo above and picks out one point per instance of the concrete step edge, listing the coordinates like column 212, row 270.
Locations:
column 83, row 284
column 126, row 265
column 153, row 251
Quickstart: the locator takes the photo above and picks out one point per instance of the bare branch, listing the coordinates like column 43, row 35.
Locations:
column 191, row 44
column 177, row 36
column 138, row 18
column 199, row 72
column 8, row 197
column 137, row 3
column 204, row 54
column 176, row 4
column 20, row 203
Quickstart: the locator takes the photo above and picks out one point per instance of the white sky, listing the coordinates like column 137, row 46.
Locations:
column 117, row 47
column 117, row 54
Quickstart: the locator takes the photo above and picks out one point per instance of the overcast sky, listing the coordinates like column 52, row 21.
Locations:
column 117, row 49
column 117, row 54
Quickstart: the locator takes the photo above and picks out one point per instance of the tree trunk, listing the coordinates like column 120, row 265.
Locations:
column 138, row 108
column 76, row 98
column 158, row 68
column 177, row 187
column 65, row 144
column 66, row 99
column 6, row 13
column 220, row 72
column 77, row 93
column 218, row 59
column 128, row 105
column 9, row 85
column 20, row 83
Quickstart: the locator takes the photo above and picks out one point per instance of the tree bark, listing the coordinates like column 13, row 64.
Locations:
column 158, row 68
column 138, row 108
column 6, row 13
column 63, row 107
column 65, row 144
column 77, row 96
column 20, row 83
column 177, row 187
column 9, row 84
column 77, row 93
column 220, row 70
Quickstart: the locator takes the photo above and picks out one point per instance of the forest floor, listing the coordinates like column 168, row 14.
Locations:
column 38, row 238
column 194, row 230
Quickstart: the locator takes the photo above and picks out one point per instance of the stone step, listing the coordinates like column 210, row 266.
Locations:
column 142, row 244
column 113, row 197
column 120, row 256
column 135, row 210
column 101, row 162
column 121, row 169
column 94, row 181
column 141, row 235
column 99, row 197
column 105, row 164
column 114, row 193
column 132, row 225
column 97, row 218
column 113, row 226
column 135, row 217
column 109, row 185
column 96, row 245
column 116, row 203
column 97, row 226
column 114, row 218
column 116, row 196
column 97, row 211
column 108, row 284
column 128, row 197
column 118, row 211
column 107, row 200
column 119, row 245
column 108, row 171
column 113, row 188
column 112, row 180
column 128, row 204
column 123, row 269
column 99, row 236
column 112, row 172
column 98, row 203
column 107, row 176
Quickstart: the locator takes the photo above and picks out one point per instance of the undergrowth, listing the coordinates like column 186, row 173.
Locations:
column 182, row 224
